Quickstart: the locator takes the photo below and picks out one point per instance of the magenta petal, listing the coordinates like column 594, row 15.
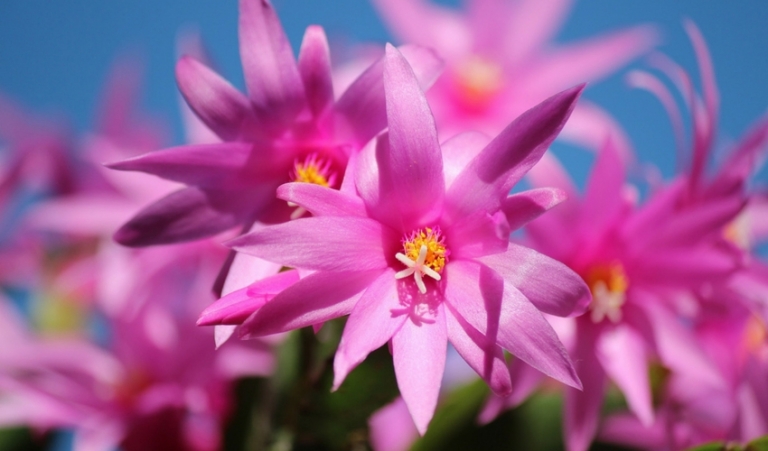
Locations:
column 235, row 307
column 271, row 75
column 483, row 355
column 458, row 151
column 322, row 201
column 742, row 161
column 550, row 285
column 582, row 408
column 695, row 224
column 221, row 107
column 315, row 69
column 184, row 215
column 418, row 352
column 477, row 235
column 624, row 357
column 320, row 243
column 685, row 267
column 361, row 110
column 317, row 298
column 603, row 197
column 391, row 427
column 503, row 314
column 524, row 207
column 373, row 321
column 486, row 181
column 218, row 166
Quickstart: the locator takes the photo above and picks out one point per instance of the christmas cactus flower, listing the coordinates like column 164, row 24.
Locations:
column 415, row 249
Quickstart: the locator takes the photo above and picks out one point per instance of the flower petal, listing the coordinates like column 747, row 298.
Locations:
column 317, row 298
column 222, row 108
column 271, row 75
column 521, row 208
column 322, row 201
column 371, row 324
column 483, row 355
column 486, row 181
column 419, row 352
column 315, row 69
column 550, row 285
column 391, row 427
column 458, row 151
column 502, row 313
column 603, row 197
column 582, row 408
column 237, row 306
column 321, row 243
column 477, row 235
column 188, row 214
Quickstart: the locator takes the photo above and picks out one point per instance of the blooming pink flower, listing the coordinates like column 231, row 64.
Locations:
column 500, row 61
column 423, row 256
column 288, row 128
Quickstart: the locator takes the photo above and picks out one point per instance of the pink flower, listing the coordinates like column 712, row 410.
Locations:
column 422, row 256
column 288, row 128
column 500, row 61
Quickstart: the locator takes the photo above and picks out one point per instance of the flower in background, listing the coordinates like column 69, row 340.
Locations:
column 422, row 256
column 500, row 61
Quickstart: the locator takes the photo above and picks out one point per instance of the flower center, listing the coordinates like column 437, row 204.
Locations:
column 738, row 231
column 314, row 169
column 608, row 284
column 478, row 80
column 424, row 253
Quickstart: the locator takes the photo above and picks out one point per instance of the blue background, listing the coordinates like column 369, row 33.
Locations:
column 55, row 54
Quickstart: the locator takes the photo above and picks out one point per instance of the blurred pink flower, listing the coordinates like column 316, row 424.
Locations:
column 422, row 256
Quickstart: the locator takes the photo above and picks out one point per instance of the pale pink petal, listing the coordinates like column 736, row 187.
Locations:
column 582, row 407
column 549, row 285
column 603, row 198
column 709, row 85
column 685, row 267
column 235, row 307
column 317, row 298
column 530, row 25
column 478, row 235
column 458, row 151
column 374, row 319
column 486, row 181
column 521, row 208
column 483, row 355
column 623, row 354
column 322, row 201
column 418, row 353
column 271, row 74
column 245, row 269
column 743, row 161
column 391, row 427
column 222, row 108
column 499, row 311
column 321, row 243
column 315, row 69
column 412, row 169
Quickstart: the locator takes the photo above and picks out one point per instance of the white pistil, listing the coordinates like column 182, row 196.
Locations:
column 417, row 268
column 606, row 303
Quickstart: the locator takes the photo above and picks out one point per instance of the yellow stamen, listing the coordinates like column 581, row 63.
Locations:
column 315, row 170
column 425, row 254
column 608, row 284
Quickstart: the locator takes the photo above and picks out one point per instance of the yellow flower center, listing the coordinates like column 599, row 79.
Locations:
column 314, row 169
column 478, row 80
column 424, row 253
column 608, row 284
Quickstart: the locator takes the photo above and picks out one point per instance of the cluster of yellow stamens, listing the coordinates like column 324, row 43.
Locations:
column 608, row 284
column 313, row 169
column 424, row 254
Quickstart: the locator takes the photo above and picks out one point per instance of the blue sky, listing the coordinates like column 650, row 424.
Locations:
column 55, row 55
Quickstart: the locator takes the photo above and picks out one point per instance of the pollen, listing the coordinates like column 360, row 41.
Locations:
column 314, row 169
column 609, row 285
column 424, row 253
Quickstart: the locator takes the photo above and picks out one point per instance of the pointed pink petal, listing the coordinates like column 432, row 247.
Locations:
column 486, row 181
column 184, row 215
column 684, row 267
column 371, row 324
column 483, row 355
column 590, row 126
column 525, row 380
column 217, row 103
column 521, row 208
column 503, row 314
column 315, row 69
column 459, row 150
column 644, row 80
column 477, row 235
column 742, row 162
column 587, row 60
column 549, row 172
column 317, row 298
column 391, row 427
column 322, row 201
column 219, row 165
column 320, row 243
column 626, row 429
column 271, row 75
column 235, row 307
column 418, row 352
column 549, row 285
column 623, row 354
column 529, row 26
column 603, row 198
column 582, row 408
column 412, row 169
column 245, row 269
column 709, row 85
column 361, row 110
column 657, row 209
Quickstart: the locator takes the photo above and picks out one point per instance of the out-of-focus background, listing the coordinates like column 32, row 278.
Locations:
column 55, row 55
